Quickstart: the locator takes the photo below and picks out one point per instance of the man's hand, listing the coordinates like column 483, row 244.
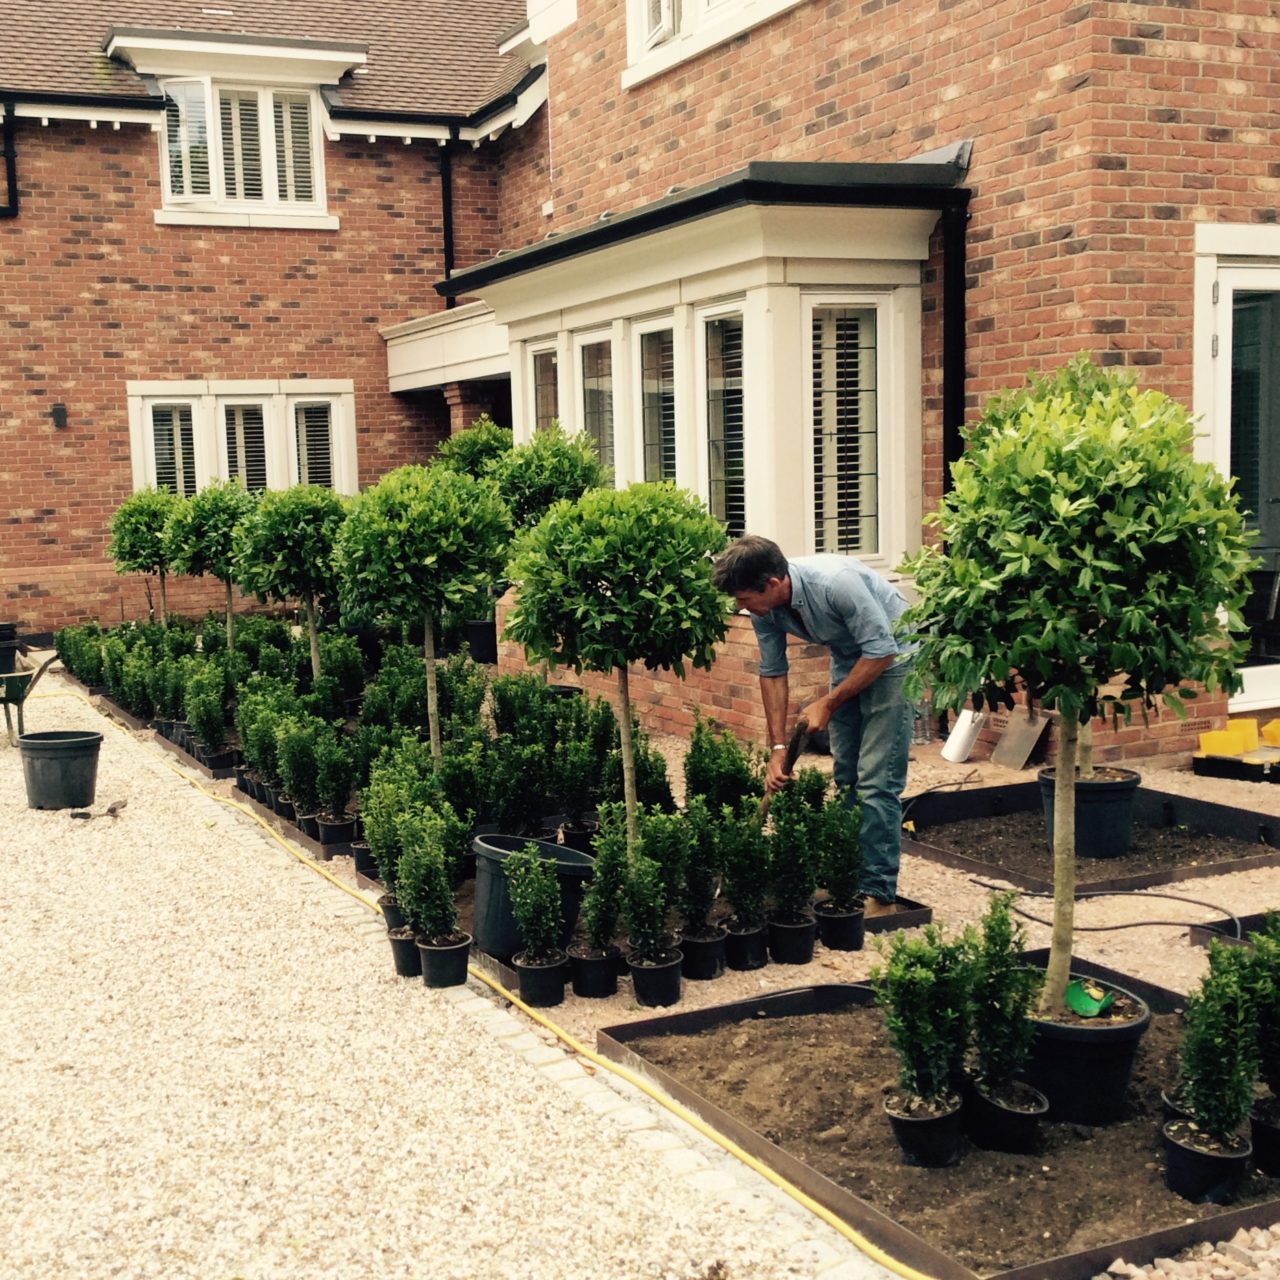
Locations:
column 817, row 714
column 774, row 778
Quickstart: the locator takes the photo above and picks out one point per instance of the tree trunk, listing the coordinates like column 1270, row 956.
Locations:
column 312, row 635
column 164, row 602
column 433, row 703
column 1052, row 997
column 628, row 757
column 231, row 619
column 1085, row 752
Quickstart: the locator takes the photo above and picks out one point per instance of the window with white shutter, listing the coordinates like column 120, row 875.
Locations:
column 246, row 444
column 597, row 398
column 173, row 446
column 187, row 141
column 845, row 431
column 658, row 404
column 241, row 145
column 313, row 437
column 292, row 115
column 726, row 476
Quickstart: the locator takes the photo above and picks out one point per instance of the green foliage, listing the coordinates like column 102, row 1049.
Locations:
column 298, row 740
column 1081, row 541
column 924, row 990
column 535, row 903
column 462, row 684
column 335, row 773
column 524, row 709
column 137, row 531
column 466, row 776
column 284, row 544
column 552, row 466
column 397, row 694
column 342, row 662
column 166, row 685
column 474, row 450
column 602, row 901
column 203, row 703
column 664, row 839
column 839, row 851
column 136, row 682
column 324, row 701
column 573, row 781
column 400, row 781
column 199, row 536
column 620, row 576
column 1220, row 1044
column 744, row 852
column 702, row 870
column 114, row 654
column 1005, row 990
column 1264, row 991
column 80, row 648
column 420, row 540
column 424, row 891
column 797, row 815
column 644, row 906
column 262, row 704
column 519, row 784
column 718, row 767
column 653, row 790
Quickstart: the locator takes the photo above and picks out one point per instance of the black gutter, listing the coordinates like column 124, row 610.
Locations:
column 446, row 212
column 10, row 208
column 107, row 101
column 954, row 370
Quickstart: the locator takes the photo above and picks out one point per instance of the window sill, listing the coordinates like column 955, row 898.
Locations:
column 295, row 221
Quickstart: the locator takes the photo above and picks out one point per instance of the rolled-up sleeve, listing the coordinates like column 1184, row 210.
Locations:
column 865, row 618
column 772, row 641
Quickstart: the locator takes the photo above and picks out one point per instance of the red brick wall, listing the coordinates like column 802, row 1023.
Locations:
column 96, row 294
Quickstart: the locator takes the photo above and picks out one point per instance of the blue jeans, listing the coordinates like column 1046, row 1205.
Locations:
column 870, row 741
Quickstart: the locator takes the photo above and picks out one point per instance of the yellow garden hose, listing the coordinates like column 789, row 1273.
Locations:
column 872, row 1250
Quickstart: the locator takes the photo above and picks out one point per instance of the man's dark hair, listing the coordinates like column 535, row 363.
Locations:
column 748, row 565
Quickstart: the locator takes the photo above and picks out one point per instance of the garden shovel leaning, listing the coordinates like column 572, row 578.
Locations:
column 795, row 745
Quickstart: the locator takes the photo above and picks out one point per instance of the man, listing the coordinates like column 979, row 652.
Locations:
column 838, row 602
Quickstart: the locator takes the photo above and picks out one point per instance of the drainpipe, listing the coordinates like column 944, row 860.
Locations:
column 10, row 209
column 954, row 218
column 446, row 210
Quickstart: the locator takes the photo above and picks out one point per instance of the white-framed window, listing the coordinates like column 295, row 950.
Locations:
column 242, row 154
column 664, row 33
column 723, row 405
column 595, row 388
column 545, row 382
column 268, row 434
column 656, row 408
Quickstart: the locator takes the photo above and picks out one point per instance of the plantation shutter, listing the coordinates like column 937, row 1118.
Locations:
column 294, row 179
column 727, row 478
column 845, row 442
column 658, row 404
column 246, row 445
column 173, row 442
column 241, row 144
column 597, row 398
column 546, row 389
column 660, row 21
column 314, row 441
column 187, row 141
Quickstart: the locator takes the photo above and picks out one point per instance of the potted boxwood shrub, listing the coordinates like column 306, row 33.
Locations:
column 653, row 962
column 924, row 989
column 796, row 814
column 1264, row 991
column 718, row 767
column 335, row 777
column 424, row 891
column 202, row 704
column 535, row 903
column 744, row 862
column 297, row 747
column 620, row 576
column 1002, row 1111
column 839, row 917
column 1081, row 544
column 593, row 963
column 1206, row 1155
column 701, row 942
column 137, row 537
column 475, row 448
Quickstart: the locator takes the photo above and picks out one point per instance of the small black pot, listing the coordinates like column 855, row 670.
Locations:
column 791, row 941
column 746, row 948
column 657, row 985
column 1172, row 1105
column 283, row 807
column 444, row 966
column 242, row 783
column 704, row 957
column 995, row 1125
column 594, row 977
column 365, row 864
column 335, row 830
column 1266, row 1144
column 1203, row 1177
column 404, row 951
column 392, row 916
column 930, row 1141
column 840, row 930
column 582, row 838
column 541, row 985
column 308, row 824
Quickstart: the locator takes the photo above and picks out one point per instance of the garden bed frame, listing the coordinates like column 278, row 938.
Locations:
column 882, row 1230
column 1224, row 930
column 1151, row 808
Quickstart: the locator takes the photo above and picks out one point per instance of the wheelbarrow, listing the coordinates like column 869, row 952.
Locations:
column 15, row 689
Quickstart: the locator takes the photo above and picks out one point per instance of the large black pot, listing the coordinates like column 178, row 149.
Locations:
column 1084, row 1069
column 746, row 949
column 657, row 985
column 1104, row 812
column 594, row 977
column 493, row 922
column 1265, row 1133
column 930, row 1141
column 791, row 941
column 482, row 639
column 404, row 952
column 1203, row 1177
column 703, row 956
column 840, row 930
column 444, row 965
column 335, row 831
column 541, row 985
column 995, row 1124
column 60, row 768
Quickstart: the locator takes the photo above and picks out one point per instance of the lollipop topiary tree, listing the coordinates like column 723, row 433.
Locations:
column 533, row 476
column 620, row 576
column 474, row 450
column 137, row 537
column 284, row 550
column 1081, row 544
column 420, row 540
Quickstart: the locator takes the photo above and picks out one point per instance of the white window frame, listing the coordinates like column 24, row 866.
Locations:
column 688, row 28
column 216, row 209
column 702, row 316
column 532, row 351
column 278, row 398
column 635, row 391
column 594, row 338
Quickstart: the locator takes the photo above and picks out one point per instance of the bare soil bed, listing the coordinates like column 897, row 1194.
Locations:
column 814, row 1084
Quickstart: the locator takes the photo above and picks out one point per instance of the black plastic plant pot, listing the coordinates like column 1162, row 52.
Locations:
column 1084, row 1068
column 791, row 941
column 392, row 916
column 283, row 807
column 1172, row 1105
column 444, row 965
column 404, row 952
column 703, row 956
column 1104, row 812
column 1265, row 1133
column 657, row 985
column 482, row 639
column 582, row 838
column 1203, row 1177
column 996, row 1125
column 840, row 930
column 929, row 1141
column 493, row 921
column 60, row 768
column 242, row 783
column 541, row 985
column 594, row 977
column 8, row 656
column 363, row 856
column 746, row 949
column 308, row 824
column 336, row 830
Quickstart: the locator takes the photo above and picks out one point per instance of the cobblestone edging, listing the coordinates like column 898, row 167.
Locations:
column 1250, row 1254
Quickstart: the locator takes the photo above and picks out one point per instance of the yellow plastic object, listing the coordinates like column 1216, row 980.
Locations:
column 1271, row 733
column 1249, row 727
column 1222, row 742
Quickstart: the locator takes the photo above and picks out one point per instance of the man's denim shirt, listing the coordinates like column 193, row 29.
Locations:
column 840, row 603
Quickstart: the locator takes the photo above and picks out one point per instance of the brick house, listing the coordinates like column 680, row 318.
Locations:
column 773, row 249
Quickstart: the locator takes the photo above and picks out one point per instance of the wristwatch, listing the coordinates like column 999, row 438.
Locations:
column 778, row 746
